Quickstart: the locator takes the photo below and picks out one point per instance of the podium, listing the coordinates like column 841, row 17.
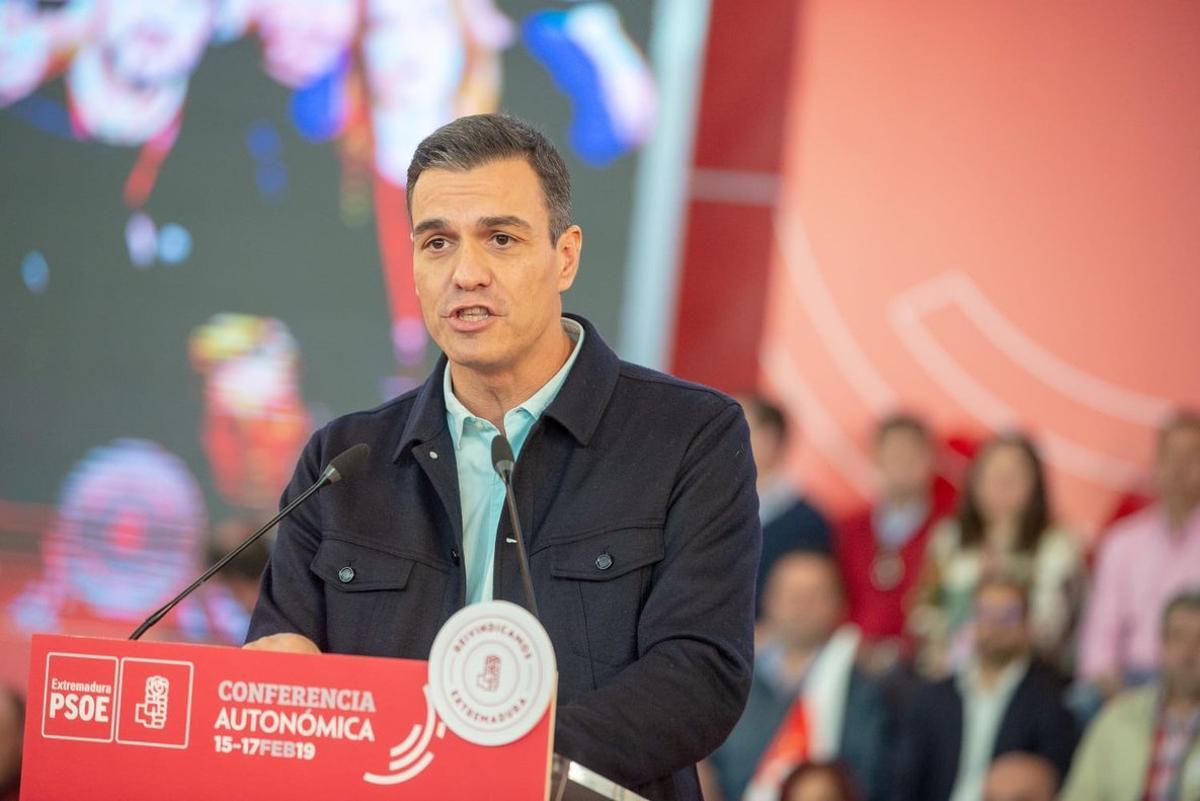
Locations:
column 117, row 720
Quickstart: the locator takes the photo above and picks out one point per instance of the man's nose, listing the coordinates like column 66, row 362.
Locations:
column 471, row 270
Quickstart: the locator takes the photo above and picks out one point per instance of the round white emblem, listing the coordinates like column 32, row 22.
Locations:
column 492, row 673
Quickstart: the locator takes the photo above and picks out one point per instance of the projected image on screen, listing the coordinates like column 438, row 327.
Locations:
column 209, row 252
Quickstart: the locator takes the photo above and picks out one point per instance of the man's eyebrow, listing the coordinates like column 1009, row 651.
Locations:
column 434, row 224
column 504, row 221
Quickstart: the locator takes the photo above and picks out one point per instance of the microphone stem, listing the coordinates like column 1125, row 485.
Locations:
column 224, row 560
column 522, row 558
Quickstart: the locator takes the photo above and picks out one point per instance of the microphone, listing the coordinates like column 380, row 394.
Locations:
column 343, row 466
column 502, row 461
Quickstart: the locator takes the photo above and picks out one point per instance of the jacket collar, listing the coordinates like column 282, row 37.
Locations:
column 578, row 407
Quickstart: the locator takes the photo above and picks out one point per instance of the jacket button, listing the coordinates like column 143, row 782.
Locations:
column 604, row 561
column 454, row 555
column 346, row 574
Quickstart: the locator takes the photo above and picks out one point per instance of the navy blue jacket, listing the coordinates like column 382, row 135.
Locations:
column 654, row 649
column 1035, row 722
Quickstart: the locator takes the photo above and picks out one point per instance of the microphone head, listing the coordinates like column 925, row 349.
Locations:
column 347, row 463
column 502, row 456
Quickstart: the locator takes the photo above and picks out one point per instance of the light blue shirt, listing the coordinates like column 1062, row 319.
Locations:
column 479, row 487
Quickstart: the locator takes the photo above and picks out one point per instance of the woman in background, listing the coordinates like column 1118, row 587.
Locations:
column 1003, row 527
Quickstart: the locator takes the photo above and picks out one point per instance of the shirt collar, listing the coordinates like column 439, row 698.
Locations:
column 459, row 415
column 578, row 407
column 968, row 680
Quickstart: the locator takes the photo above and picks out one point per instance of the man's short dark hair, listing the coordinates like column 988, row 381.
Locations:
column 1188, row 600
column 479, row 139
column 766, row 414
column 1178, row 419
column 902, row 421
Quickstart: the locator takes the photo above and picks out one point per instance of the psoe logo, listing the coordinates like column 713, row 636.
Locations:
column 155, row 705
column 80, row 697
column 152, row 712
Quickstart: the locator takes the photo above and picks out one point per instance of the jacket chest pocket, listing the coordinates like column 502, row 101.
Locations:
column 367, row 593
column 609, row 571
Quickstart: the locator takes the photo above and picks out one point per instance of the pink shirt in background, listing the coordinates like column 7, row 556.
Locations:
column 1142, row 566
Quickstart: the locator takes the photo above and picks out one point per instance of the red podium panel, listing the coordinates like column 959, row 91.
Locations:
column 114, row 720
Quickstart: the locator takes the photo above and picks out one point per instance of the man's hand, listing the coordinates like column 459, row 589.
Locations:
column 285, row 642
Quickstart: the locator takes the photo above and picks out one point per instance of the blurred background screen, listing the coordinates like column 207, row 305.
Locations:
column 207, row 256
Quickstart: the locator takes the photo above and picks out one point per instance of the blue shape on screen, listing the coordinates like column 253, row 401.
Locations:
column 46, row 115
column 174, row 243
column 317, row 108
column 271, row 178
column 592, row 133
column 35, row 272
column 262, row 140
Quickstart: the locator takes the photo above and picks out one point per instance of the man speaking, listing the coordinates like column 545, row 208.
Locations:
column 635, row 490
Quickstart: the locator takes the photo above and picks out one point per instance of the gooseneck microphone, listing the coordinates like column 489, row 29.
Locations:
column 343, row 466
column 502, row 460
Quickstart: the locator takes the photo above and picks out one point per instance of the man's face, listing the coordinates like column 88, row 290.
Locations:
column 905, row 464
column 1020, row 777
column 803, row 601
column 1001, row 628
column 488, row 277
column 155, row 41
column 1181, row 653
column 1179, row 467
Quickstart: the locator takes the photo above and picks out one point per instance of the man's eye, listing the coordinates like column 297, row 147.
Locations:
column 503, row 240
column 437, row 243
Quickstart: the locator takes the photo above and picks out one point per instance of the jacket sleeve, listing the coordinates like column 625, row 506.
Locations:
column 291, row 597
column 677, row 702
column 1086, row 779
column 1101, row 635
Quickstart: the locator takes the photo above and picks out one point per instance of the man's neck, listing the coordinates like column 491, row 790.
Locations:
column 795, row 660
column 899, row 502
column 989, row 673
column 489, row 395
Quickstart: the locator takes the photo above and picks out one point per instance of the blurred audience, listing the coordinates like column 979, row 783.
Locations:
column 1002, row 701
column 1004, row 526
column 790, row 522
column 819, row 781
column 807, row 701
column 1019, row 776
column 12, row 734
column 881, row 549
column 1145, row 745
column 1145, row 560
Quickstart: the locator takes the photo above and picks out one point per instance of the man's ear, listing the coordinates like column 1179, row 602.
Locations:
column 568, row 248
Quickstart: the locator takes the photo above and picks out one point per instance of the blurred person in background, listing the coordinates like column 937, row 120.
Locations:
column 1145, row 745
column 1002, row 701
column 1021, row 777
column 819, row 781
column 1144, row 560
column 790, row 521
column 1004, row 526
column 808, row 700
column 881, row 549
column 12, row 734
